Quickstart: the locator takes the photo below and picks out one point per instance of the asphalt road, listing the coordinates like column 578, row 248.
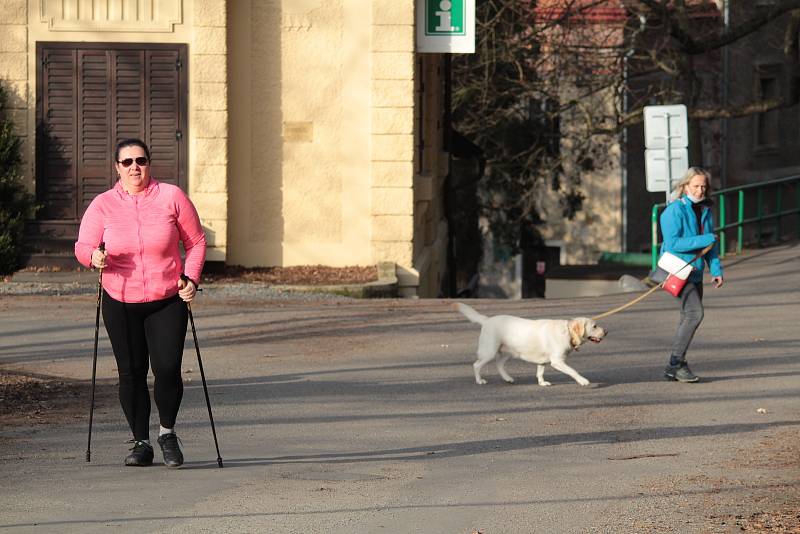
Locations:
column 338, row 415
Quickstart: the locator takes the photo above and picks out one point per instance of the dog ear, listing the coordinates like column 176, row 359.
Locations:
column 577, row 329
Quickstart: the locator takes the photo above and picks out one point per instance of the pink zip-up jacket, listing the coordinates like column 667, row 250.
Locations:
column 141, row 233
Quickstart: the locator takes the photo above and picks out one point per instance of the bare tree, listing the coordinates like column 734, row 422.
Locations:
column 553, row 82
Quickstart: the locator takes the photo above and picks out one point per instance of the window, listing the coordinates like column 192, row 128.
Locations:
column 768, row 90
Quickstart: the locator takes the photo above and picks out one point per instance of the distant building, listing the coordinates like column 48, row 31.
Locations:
column 616, row 207
column 763, row 66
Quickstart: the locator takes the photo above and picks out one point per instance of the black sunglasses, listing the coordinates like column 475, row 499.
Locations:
column 141, row 161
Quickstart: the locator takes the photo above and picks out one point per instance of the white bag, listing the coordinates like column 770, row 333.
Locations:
column 675, row 266
column 674, row 272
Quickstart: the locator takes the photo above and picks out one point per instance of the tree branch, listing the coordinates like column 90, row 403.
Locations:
column 692, row 46
column 751, row 108
column 636, row 116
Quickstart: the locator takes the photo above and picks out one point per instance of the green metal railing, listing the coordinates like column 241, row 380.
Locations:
column 742, row 194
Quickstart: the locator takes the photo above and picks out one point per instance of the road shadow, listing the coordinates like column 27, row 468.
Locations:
column 436, row 451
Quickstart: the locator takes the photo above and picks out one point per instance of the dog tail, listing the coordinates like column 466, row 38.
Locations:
column 469, row 313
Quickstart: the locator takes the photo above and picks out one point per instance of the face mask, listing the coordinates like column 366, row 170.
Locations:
column 694, row 200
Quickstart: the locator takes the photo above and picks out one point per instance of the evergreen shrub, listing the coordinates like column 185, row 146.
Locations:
column 16, row 203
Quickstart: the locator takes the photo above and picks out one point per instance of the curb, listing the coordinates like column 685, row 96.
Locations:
column 85, row 282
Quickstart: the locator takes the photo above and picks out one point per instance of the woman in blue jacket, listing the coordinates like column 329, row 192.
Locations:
column 687, row 228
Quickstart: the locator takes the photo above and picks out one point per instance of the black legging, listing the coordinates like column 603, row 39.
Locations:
column 136, row 330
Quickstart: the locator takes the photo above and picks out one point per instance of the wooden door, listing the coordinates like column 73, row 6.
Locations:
column 90, row 96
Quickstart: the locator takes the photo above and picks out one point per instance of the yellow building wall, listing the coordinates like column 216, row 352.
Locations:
column 324, row 145
column 300, row 135
column 14, row 64
column 201, row 24
column 396, row 150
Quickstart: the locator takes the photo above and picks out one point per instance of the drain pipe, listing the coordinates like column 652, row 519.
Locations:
column 723, row 171
column 624, row 151
column 624, row 156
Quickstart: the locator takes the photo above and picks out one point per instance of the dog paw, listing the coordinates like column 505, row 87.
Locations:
column 583, row 382
column 545, row 383
column 481, row 382
column 509, row 380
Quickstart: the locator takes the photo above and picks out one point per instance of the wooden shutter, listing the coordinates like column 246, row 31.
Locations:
column 165, row 133
column 147, row 104
column 90, row 97
column 128, row 95
column 94, row 126
column 56, row 135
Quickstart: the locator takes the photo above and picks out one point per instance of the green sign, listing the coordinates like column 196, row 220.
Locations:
column 445, row 17
column 445, row 26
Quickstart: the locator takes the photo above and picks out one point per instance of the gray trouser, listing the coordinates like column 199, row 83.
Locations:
column 691, row 299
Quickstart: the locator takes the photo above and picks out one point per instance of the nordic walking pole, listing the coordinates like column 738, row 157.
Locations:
column 202, row 375
column 102, row 248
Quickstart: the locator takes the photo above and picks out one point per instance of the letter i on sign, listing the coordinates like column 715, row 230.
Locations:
column 445, row 17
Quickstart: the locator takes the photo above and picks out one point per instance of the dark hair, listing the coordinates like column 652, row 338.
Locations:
column 131, row 142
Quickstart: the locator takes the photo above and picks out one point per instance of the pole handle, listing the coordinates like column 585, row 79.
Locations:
column 102, row 248
column 187, row 279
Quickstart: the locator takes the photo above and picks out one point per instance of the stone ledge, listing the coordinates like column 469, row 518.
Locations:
column 371, row 290
column 384, row 287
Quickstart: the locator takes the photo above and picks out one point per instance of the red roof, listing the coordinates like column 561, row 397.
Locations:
column 600, row 11
column 591, row 11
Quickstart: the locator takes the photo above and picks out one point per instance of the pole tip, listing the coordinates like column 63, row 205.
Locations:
column 88, row 456
column 219, row 462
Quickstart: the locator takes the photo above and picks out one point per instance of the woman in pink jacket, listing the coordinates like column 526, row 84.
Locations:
column 141, row 221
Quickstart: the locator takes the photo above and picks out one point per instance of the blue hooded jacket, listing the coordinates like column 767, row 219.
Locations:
column 682, row 237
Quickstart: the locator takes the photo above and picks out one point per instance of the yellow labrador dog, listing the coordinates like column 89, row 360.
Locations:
column 541, row 342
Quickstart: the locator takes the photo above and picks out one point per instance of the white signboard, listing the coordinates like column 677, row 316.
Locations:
column 665, row 132
column 655, row 166
column 445, row 26
column 665, row 125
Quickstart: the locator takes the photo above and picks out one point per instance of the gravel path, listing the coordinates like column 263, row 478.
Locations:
column 59, row 284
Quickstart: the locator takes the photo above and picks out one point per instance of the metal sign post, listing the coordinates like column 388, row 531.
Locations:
column 666, row 142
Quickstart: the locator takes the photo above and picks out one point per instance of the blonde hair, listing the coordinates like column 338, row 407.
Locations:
column 691, row 172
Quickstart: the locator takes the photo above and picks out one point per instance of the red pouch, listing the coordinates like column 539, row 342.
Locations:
column 679, row 271
column 673, row 285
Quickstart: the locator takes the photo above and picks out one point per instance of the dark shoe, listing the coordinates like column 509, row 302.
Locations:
column 680, row 373
column 173, row 457
column 142, row 455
